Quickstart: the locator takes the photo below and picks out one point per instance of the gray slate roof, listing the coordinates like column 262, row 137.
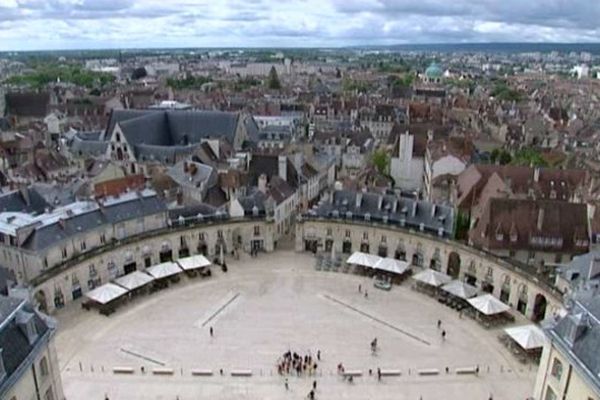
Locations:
column 48, row 235
column 400, row 211
column 26, row 200
column 13, row 341
column 578, row 336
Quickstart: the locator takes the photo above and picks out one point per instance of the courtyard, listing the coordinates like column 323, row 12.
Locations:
column 265, row 306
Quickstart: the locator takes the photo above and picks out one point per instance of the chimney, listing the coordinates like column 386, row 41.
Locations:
column 358, row 199
column 26, row 323
column 414, row 209
column 395, row 206
column 282, row 162
column 433, row 209
column 262, row 183
column 379, row 202
column 536, row 174
column 540, row 219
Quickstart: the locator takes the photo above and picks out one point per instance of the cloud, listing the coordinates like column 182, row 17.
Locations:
column 33, row 24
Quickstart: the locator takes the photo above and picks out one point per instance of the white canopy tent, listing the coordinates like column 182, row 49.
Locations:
column 460, row 289
column 193, row 262
column 527, row 336
column 488, row 304
column 432, row 277
column 392, row 265
column 364, row 259
column 106, row 293
column 134, row 280
column 164, row 270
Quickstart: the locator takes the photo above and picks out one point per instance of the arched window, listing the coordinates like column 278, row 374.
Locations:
column 557, row 369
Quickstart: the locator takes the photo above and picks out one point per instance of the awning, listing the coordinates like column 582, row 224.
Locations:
column 134, row 280
column 193, row 262
column 488, row 304
column 527, row 336
column 460, row 289
column 432, row 277
column 164, row 270
column 364, row 259
column 106, row 293
column 392, row 265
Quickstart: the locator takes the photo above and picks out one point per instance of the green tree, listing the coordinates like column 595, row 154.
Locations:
column 273, row 80
column 529, row 157
column 381, row 161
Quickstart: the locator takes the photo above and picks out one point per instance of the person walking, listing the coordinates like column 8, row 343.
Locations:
column 319, row 355
column 314, row 385
column 443, row 335
column 211, row 331
column 378, row 373
column 359, row 288
column 287, row 385
column 439, row 323
column 366, row 294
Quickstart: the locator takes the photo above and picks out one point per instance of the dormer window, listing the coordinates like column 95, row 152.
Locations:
column 553, row 194
column 118, row 137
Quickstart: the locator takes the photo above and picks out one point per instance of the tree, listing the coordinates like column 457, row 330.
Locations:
column 273, row 80
column 381, row 161
column 139, row 73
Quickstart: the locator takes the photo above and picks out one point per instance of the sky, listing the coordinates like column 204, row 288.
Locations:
column 99, row 24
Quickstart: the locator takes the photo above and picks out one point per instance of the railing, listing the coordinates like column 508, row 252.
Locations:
column 175, row 226
column 527, row 271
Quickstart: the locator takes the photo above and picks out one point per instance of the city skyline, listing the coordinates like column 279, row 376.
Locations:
column 103, row 24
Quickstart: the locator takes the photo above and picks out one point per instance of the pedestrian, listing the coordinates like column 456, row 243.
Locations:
column 443, row 335
column 439, row 324
column 315, row 385
column 378, row 373
column 359, row 288
column 211, row 331
column 447, row 370
column 319, row 355
column 287, row 386
column 370, row 372
column 366, row 294
column 221, row 371
column 106, row 396
column 491, row 397
column 311, row 395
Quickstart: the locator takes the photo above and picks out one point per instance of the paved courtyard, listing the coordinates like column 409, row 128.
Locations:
column 261, row 308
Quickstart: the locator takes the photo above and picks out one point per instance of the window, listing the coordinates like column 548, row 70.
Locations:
column 347, row 233
column 550, row 395
column 93, row 271
column 102, row 238
column 44, row 367
column 558, row 258
column 220, row 234
column 83, row 247
column 45, row 262
column 329, row 232
column 201, row 236
column 365, row 236
column 557, row 369
column 384, row 239
column 256, row 230
column 182, row 242
column 64, row 252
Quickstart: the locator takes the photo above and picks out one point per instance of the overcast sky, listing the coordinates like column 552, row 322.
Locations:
column 69, row 24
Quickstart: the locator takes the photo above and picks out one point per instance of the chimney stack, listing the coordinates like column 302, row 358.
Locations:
column 358, row 199
column 262, row 183
column 540, row 219
column 536, row 174
column 282, row 163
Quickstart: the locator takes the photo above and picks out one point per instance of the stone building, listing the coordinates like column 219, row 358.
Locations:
column 28, row 363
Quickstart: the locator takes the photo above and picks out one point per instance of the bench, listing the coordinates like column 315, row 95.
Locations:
column 241, row 372
column 162, row 371
column 202, row 372
column 353, row 372
column 391, row 372
column 429, row 371
column 466, row 371
column 123, row 370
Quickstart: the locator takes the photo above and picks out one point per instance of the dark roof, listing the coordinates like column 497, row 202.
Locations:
column 27, row 104
column 268, row 164
column 14, row 343
column 553, row 226
column 578, row 336
column 392, row 209
column 47, row 235
column 25, row 200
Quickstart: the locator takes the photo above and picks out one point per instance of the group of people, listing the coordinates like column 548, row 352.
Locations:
column 291, row 363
